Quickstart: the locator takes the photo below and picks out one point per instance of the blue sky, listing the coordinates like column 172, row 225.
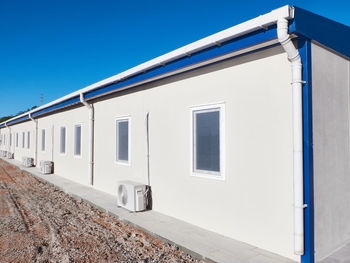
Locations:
column 56, row 47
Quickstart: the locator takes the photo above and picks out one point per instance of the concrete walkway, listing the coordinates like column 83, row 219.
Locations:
column 342, row 255
column 196, row 241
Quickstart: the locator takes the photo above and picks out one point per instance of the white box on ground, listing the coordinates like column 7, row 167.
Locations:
column 132, row 195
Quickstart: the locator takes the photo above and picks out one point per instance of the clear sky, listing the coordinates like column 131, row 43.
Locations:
column 58, row 46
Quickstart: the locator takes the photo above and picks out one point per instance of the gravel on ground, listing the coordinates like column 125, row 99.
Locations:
column 39, row 223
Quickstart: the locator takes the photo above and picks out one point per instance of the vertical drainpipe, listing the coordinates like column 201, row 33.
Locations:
column 36, row 139
column 8, row 141
column 52, row 142
column 147, row 148
column 298, row 176
column 91, row 137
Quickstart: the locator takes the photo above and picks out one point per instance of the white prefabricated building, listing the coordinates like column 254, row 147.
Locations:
column 244, row 133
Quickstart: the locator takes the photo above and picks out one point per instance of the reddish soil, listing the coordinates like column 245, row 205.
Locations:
column 39, row 223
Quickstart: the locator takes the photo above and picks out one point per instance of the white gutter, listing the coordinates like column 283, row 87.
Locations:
column 247, row 27
column 91, row 137
column 294, row 58
column 36, row 139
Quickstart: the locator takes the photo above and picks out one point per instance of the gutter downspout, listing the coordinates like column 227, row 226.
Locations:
column 147, row 148
column 36, row 139
column 9, row 139
column 91, row 137
column 298, row 176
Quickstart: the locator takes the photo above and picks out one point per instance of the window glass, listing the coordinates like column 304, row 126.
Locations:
column 63, row 140
column 123, row 140
column 23, row 139
column 28, row 140
column 206, row 148
column 43, row 140
column 77, row 140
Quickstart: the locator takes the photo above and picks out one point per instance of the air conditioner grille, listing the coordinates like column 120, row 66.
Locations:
column 122, row 194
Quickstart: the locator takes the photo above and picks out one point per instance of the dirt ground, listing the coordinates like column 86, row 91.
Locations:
column 39, row 223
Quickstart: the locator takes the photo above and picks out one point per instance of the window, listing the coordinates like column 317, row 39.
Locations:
column 77, row 140
column 43, row 140
column 16, row 139
column 207, row 141
column 63, row 140
column 123, row 140
column 23, row 139
column 10, row 139
column 28, row 139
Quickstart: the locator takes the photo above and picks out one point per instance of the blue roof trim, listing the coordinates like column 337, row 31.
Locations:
column 309, row 237
column 228, row 47
column 329, row 33
column 203, row 55
column 57, row 106
column 18, row 120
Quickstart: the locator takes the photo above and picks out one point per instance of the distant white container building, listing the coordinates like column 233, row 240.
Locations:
column 229, row 138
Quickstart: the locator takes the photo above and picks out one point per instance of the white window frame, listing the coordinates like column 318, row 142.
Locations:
column 65, row 143
column 81, row 140
column 121, row 119
column 203, row 173
column 41, row 140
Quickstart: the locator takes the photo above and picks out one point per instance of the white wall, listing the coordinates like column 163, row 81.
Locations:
column 66, row 165
column 254, row 204
column 20, row 151
column 331, row 104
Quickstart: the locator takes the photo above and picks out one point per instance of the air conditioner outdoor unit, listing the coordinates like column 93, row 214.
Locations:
column 27, row 161
column 46, row 167
column 10, row 155
column 132, row 196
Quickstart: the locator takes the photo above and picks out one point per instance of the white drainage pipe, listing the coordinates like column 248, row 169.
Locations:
column 294, row 58
column 91, row 137
column 36, row 139
column 9, row 138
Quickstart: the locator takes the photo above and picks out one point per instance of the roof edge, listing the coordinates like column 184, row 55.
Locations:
column 262, row 21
